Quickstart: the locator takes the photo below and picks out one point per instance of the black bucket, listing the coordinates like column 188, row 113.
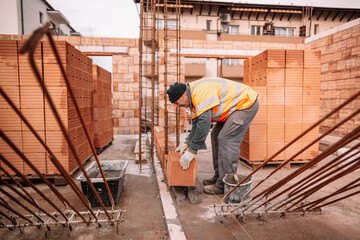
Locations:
column 114, row 171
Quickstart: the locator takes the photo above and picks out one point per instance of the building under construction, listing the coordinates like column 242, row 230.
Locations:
column 86, row 152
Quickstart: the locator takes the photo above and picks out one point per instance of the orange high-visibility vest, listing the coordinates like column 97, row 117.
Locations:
column 221, row 95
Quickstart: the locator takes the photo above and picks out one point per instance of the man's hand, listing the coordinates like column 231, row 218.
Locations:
column 186, row 159
column 182, row 148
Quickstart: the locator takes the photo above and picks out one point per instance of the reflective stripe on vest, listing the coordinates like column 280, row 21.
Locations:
column 223, row 98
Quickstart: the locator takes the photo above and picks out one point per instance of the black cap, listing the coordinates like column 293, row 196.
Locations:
column 175, row 91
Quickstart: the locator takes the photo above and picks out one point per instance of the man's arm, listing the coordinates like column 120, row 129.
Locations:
column 199, row 131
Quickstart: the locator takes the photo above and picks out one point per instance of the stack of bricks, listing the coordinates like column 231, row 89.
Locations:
column 103, row 125
column 26, row 92
column 288, row 83
column 340, row 74
column 126, row 89
column 175, row 175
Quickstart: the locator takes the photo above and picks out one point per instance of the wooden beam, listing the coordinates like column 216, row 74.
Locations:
column 241, row 15
column 342, row 16
column 212, row 56
column 218, row 12
column 201, row 8
column 191, row 10
column 317, row 19
column 103, row 53
column 210, row 10
column 249, row 15
column 351, row 16
column 327, row 16
column 289, row 16
column 257, row 16
column 281, row 17
column 273, row 16
column 337, row 13
column 232, row 14
column 266, row 15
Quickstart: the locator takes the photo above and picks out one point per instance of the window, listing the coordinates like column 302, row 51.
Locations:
column 230, row 62
column 316, row 28
column 208, row 25
column 255, row 30
column 171, row 24
column 228, row 29
column 41, row 17
column 283, row 31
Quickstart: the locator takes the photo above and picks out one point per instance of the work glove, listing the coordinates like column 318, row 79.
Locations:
column 186, row 159
column 182, row 148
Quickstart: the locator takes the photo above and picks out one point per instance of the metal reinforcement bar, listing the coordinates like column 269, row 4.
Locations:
column 302, row 150
column 11, row 209
column 20, row 204
column 347, row 139
column 140, row 79
column 53, row 158
column 25, row 198
column 30, row 46
column 72, row 216
column 352, row 98
column 254, row 205
column 72, row 95
column 27, row 181
column 19, row 185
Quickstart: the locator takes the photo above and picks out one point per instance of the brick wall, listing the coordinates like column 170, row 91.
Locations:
column 340, row 73
column 126, row 72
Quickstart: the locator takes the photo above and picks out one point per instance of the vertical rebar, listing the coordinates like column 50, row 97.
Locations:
column 153, row 42
column 166, row 127
column 140, row 78
column 177, row 40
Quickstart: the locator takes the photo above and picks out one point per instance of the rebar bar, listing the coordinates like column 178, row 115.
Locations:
column 20, row 204
column 140, row 79
column 25, row 198
column 53, row 158
column 302, row 150
column 350, row 99
column 30, row 46
column 11, row 209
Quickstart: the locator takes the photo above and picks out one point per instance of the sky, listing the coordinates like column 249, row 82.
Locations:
column 120, row 18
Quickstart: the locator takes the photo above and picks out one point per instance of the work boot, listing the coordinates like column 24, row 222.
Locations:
column 213, row 190
column 209, row 181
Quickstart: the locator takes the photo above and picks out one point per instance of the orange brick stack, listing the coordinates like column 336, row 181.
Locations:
column 288, row 82
column 103, row 123
column 175, row 175
column 24, row 89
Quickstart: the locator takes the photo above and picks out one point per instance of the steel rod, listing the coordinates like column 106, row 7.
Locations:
column 324, row 169
column 18, row 184
column 31, row 184
column 347, row 187
column 350, row 99
column 166, row 52
column 30, row 46
column 319, row 186
column 153, row 42
column 20, row 204
column 342, row 142
column 53, row 158
column 140, row 79
column 11, row 209
column 298, row 195
column 302, row 150
column 72, row 95
column 334, row 201
column 25, row 198
column 28, row 162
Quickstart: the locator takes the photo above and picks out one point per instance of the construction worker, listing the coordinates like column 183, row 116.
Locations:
column 232, row 106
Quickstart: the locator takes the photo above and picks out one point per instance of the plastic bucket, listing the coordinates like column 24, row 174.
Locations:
column 238, row 193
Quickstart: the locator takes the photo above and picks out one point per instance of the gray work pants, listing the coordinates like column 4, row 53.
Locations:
column 226, row 138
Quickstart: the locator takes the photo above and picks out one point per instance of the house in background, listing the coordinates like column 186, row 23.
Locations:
column 24, row 16
column 258, row 25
